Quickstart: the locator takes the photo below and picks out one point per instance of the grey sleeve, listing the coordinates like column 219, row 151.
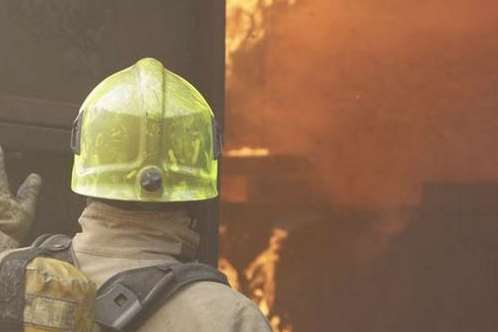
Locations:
column 207, row 307
column 250, row 319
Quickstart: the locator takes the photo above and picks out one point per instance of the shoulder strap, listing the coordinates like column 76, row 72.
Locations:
column 12, row 276
column 12, row 292
column 57, row 246
column 125, row 299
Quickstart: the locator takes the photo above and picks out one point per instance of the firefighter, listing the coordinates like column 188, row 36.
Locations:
column 145, row 154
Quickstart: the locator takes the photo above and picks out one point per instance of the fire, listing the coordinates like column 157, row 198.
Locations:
column 260, row 277
column 248, row 152
column 245, row 25
column 246, row 28
column 229, row 270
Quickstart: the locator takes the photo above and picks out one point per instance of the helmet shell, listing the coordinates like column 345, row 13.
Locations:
column 145, row 134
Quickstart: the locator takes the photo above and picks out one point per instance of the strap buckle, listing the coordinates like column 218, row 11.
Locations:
column 117, row 307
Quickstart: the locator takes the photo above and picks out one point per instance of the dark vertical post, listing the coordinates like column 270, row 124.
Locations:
column 210, row 65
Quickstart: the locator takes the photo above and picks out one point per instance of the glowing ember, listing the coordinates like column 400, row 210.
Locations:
column 260, row 276
column 248, row 152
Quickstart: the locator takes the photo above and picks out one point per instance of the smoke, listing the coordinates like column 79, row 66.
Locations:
column 381, row 96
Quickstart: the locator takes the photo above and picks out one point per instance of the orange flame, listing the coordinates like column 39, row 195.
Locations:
column 229, row 270
column 245, row 29
column 261, row 272
column 245, row 25
column 260, row 275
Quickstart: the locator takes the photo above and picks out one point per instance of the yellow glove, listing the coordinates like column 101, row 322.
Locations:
column 17, row 212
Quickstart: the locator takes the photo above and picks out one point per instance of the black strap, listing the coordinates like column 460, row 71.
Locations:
column 13, row 272
column 12, row 290
column 125, row 300
column 57, row 246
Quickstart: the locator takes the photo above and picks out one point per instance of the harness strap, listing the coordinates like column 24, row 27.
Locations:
column 13, row 274
column 57, row 246
column 12, row 291
column 125, row 300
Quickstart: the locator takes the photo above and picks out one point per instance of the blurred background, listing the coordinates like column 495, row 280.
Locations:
column 359, row 179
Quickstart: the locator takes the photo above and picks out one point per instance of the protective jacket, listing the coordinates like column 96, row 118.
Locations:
column 115, row 240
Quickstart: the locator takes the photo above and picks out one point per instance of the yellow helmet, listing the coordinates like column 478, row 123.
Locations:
column 145, row 134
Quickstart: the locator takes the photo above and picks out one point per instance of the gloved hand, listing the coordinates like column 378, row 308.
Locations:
column 17, row 212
